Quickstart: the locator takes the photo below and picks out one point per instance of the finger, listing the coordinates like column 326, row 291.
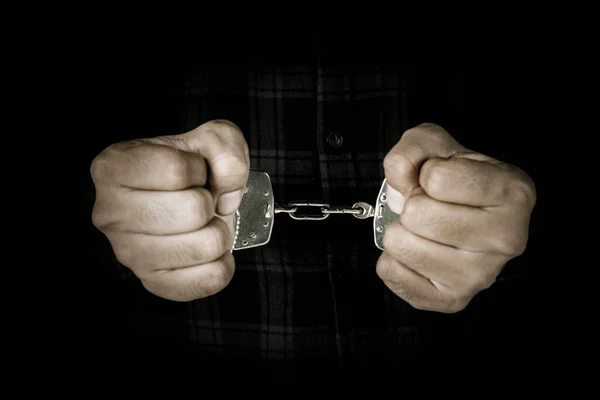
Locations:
column 442, row 265
column 404, row 160
column 395, row 199
column 467, row 228
column 229, row 222
column 413, row 288
column 471, row 182
column 191, row 283
column 153, row 213
column 223, row 146
column 149, row 252
column 148, row 166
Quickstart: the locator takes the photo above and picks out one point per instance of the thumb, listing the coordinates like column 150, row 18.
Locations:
column 221, row 143
column 403, row 163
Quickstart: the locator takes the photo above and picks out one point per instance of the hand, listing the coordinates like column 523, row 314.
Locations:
column 166, row 205
column 463, row 215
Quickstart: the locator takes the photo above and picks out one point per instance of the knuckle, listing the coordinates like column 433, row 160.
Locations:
column 222, row 129
column 522, row 189
column 516, row 247
column 478, row 281
column 187, row 292
column 216, row 237
column 125, row 254
column 99, row 217
column 434, row 178
column 180, row 292
column 510, row 243
column 197, row 206
column 235, row 164
column 99, row 165
column 418, row 304
column 183, row 295
column 449, row 303
column 390, row 237
column 411, row 211
column 212, row 132
column 412, row 205
column 246, row 150
column 156, row 286
column 429, row 128
column 220, row 276
column 395, row 240
column 143, row 273
column 384, row 269
column 177, row 170
column 215, row 124
column 396, row 162
column 454, row 305
column 424, row 130
column 229, row 141
column 105, row 215
column 231, row 170
column 415, row 300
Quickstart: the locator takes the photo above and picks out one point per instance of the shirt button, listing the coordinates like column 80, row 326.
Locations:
column 335, row 139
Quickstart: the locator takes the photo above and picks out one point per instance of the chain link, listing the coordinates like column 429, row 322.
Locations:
column 342, row 210
column 285, row 209
column 359, row 210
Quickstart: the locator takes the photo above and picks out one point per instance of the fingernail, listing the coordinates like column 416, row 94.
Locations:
column 395, row 199
column 229, row 202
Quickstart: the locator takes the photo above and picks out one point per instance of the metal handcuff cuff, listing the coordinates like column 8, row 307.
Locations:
column 255, row 217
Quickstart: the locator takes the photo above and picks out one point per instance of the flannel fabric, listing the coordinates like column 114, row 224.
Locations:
column 309, row 303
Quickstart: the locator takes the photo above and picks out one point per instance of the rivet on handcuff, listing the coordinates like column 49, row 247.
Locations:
column 255, row 217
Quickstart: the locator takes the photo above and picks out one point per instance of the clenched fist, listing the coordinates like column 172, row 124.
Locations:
column 166, row 205
column 463, row 215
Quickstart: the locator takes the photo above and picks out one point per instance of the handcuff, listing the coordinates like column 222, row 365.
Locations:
column 255, row 217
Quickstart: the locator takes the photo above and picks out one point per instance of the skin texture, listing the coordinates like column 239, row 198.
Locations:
column 160, row 202
column 463, row 216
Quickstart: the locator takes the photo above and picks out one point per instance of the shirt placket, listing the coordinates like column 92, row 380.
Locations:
column 327, row 140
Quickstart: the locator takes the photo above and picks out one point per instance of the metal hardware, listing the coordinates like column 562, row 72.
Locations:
column 343, row 210
column 255, row 217
column 360, row 210
column 367, row 210
column 318, row 217
column 285, row 209
column 383, row 216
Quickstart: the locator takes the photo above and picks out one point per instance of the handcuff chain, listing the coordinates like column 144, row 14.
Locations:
column 360, row 210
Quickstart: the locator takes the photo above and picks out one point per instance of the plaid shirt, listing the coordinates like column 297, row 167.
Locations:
column 309, row 303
